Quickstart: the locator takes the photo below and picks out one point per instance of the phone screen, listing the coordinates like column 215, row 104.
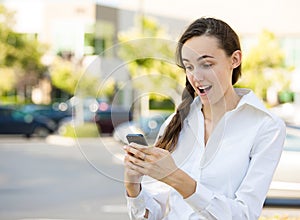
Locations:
column 137, row 138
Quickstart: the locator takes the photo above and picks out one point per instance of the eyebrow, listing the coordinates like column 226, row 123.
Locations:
column 199, row 58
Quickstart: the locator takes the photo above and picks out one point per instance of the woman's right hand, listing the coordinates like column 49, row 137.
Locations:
column 132, row 178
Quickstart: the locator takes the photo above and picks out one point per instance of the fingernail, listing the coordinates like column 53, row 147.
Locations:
column 124, row 147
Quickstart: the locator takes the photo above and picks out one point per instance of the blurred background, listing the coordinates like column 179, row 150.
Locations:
column 77, row 75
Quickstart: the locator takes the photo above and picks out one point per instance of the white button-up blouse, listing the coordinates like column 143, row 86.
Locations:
column 233, row 171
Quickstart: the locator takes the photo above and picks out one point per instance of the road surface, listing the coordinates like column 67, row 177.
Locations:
column 58, row 178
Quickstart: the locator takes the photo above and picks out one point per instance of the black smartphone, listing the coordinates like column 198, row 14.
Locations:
column 137, row 138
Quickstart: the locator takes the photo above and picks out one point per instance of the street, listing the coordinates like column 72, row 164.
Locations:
column 41, row 180
column 58, row 178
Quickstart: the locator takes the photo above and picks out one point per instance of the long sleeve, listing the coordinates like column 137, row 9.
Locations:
column 153, row 196
column 249, row 197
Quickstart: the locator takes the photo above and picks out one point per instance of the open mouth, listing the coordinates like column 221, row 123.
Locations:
column 204, row 89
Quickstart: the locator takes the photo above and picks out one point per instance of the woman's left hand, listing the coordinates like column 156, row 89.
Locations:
column 152, row 161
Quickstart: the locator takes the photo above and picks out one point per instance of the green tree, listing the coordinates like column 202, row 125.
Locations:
column 71, row 78
column 264, row 66
column 9, row 82
column 147, row 51
column 18, row 53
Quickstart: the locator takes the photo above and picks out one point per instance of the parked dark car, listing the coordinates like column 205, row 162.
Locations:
column 13, row 121
column 55, row 114
column 107, row 117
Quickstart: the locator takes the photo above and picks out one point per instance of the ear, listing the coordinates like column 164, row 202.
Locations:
column 236, row 58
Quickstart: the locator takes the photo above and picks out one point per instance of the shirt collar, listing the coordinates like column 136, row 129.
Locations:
column 247, row 98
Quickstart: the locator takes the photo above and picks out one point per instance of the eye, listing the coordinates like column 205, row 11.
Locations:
column 206, row 65
column 188, row 67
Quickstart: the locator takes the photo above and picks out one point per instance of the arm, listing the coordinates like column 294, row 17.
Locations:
column 139, row 201
column 148, row 199
column 151, row 202
column 251, row 194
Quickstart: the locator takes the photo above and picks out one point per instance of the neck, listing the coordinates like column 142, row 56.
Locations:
column 215, row 111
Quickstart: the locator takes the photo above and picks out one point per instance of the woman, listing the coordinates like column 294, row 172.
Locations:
column 216, row 155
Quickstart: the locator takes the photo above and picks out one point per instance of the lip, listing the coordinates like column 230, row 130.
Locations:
column 204, row 90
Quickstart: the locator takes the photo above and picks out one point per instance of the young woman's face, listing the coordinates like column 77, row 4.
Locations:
column 208, row 68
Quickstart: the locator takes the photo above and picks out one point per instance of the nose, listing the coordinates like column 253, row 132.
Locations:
column 198, row 74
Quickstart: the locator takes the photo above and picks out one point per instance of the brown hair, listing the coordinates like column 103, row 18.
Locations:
column 228, row 41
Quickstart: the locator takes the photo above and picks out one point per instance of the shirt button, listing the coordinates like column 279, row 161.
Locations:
column 134, row 211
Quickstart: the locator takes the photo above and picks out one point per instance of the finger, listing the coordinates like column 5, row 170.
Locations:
column 126, row 159
column 135, row 160
column 134, row 151
column 142, row 148
column 129, row 170
column 138, row 146
column 135, row 167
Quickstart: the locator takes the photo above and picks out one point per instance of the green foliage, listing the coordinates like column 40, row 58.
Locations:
column 264, row 66
column 165, row 104
column 108, row 89
column 267, row 53
column 10, row 80
column 148, row 52
column 79, row 131
column 63, row 76
column 19, row 53
column 72, row 79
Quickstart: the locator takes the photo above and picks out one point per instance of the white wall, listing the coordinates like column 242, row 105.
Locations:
column 245, row 16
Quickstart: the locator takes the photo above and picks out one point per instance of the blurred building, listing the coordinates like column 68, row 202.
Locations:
column 82, row 29
column 85, row 28
column 89, row 26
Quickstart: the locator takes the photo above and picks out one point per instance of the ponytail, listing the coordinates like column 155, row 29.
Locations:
column 169, row 139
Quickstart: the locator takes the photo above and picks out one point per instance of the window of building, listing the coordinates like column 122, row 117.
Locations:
column 291, row 47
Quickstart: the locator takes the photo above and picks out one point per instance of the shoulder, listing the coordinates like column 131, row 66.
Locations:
column 273, row 122
column 254, row 110
column 250, row 100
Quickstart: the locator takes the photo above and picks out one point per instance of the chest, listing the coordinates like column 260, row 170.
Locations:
column 222, row 162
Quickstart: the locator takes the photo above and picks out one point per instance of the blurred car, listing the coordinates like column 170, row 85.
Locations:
column 49, row 111
column 108, row 117
column 288, row 112
column 147, row 125
column 152, row 123
column 84, row 108
column 285, row 186
column 13, row 121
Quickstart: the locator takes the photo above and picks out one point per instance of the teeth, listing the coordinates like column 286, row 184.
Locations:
column 203, row 87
